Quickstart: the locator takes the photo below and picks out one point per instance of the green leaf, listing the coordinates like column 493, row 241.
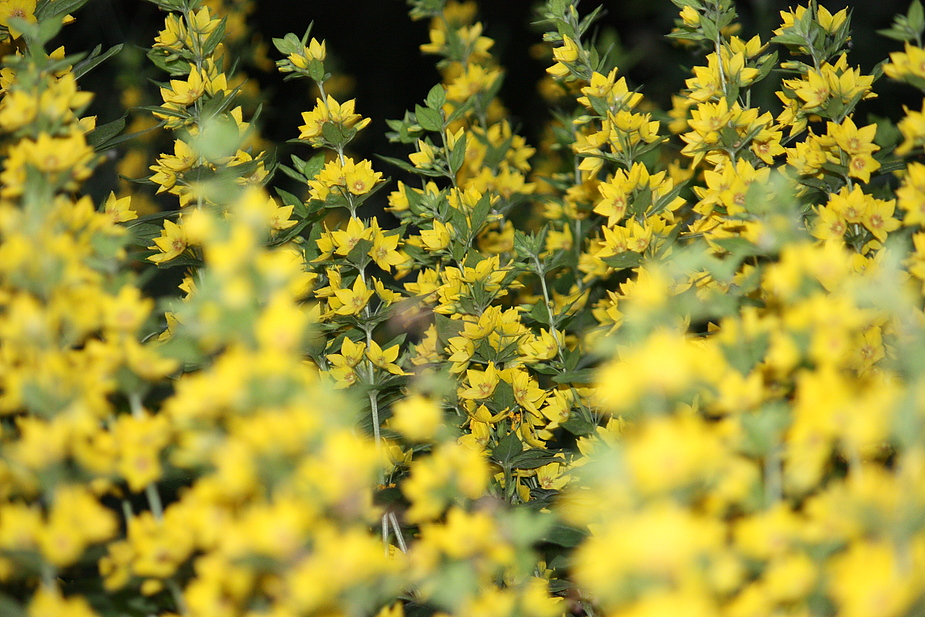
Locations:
column 738, row 246
column 218, row 138
column 446, row 329
column 710, row 31
column 94, row 60
column 764, row 428
column 169, row 5
column 460, row 110
column 298, row 206
column 163, row 111
column 359, row 254
column 458, row 155
column 434, row 173
column 333, row 133
column 284, row 45
column 894, row 33
column 436, row 97
column 480, row 212
column 148, row 218
column 628, row 259
column 429, row 119
column 313, row 166
column 289, row 171
column 507, row 449
column 563, row 535
column 531, row 459
column 578, row 426
column 186, row 261
column 545, row 369
column 99, row 137
column 585, row 375
column 916, row 17
column 539, row 312
column 504, row 393
column 214, row 39
column 46, row 9
column 10, row 607
column 316, row 70
column 288, row 234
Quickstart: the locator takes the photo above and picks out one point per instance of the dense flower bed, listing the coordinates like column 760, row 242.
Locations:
column 663, row 363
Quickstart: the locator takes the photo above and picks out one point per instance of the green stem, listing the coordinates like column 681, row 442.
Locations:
column 154, row 498
column 398, row 533
column 549, row 306
column 773, row 480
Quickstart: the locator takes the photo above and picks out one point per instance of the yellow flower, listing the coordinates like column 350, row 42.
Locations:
column 350, row 353
column 766, row 145
column 851, row 139
column 526, row 391
column 345, row 239
column 672, row 452
column 20, row 9
column 481, row 383
column 330, row 176
column 119, row 209
column 394, row 610
column 48, row 602
column 360, row 178
column 184, row 93
column 568, row 52
column 912, row 127
column 542, row 347
column 329, row 110
column 353, row 300
column 551, row 476
column 830, row 225
column 438, row 237
column 860, row 166
column 76, row 521
column 911, row 62
column 384, row 250
column 451, row 472
column 829, row 22
column 62, row 157
column 387, row 296
column 869, row 578
column 384, row 359
column 911, row 195
column 17, row 109
column 613, row 202
column 878, row 218
column 851, row 205
column 425, row 156
column 126, row 312
column 473, row 80
column 417, row 417
column 314, row 51
column 171, row 243
column 690, row 16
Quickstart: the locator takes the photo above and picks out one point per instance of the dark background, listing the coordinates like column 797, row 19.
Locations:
column 376, row 43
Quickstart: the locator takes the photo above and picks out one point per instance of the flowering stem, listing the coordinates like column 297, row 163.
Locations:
column 717, row 46
column 177, row 595
column 549, row 306
column 398, row 534
column 154, row 498
column 773, row 482
column 49, row 575
column 446, row 156
column 385, row 534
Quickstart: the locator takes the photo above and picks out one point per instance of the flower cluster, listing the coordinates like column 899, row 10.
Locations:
column 672, row 364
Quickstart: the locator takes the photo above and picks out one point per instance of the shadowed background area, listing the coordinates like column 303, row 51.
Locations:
column 375, row 44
